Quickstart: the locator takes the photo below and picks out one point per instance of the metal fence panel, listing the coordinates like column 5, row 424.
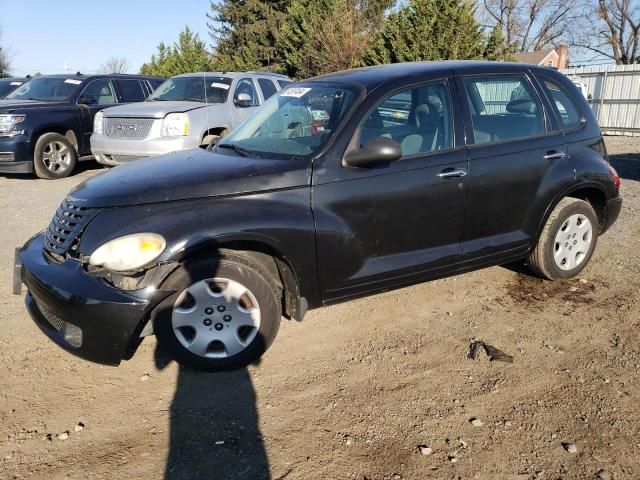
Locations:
column 615, row 96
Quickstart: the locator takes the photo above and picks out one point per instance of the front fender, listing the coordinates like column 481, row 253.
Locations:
column 279, row 221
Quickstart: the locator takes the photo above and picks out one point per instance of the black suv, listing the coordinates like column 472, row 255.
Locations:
column 337, row 187
column 46, row 123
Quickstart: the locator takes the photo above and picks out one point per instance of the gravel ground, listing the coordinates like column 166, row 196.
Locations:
column 379, row 388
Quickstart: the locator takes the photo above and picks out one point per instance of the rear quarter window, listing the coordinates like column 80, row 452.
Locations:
column 563, row 103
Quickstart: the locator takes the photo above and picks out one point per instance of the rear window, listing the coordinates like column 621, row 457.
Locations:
column 130, row 91
column 565, row 107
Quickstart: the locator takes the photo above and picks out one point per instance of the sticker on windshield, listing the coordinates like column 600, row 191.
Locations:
column 224, row 86
column 15, row 83
column 297, row 92
column 75, row 82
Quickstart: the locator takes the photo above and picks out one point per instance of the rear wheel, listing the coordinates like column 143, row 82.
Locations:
column 54, row 156
column 567, row 241
column 224, row 315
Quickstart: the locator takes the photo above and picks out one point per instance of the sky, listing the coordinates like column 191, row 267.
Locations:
column 45, row 35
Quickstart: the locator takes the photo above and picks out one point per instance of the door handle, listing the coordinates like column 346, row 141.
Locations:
column 453, row 173
column 554, row 155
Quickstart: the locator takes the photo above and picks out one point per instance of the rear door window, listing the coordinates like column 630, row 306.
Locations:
column 267, row 87
column 565, row 107
column 503, row 107
column 129, row 91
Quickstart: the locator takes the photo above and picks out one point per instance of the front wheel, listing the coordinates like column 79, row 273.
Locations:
column 567, row 241
column 54, row 156
column 224, row 315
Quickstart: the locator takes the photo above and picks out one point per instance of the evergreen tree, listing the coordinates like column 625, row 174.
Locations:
column 429, row 30
column 188, row 54
column 322, row 36
column 495, row 47
column 244, row 33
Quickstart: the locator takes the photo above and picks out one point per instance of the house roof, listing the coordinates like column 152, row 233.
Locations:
column 534, row 58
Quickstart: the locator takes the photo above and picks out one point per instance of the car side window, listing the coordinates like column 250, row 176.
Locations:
column 418, row 118
column 246, row 86
column 566, row 108
column 284, row 83
column 130, row 91
column 267, row 87
column 99, row 92
column 503, row 107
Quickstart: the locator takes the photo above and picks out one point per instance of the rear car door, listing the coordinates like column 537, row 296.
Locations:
column 398, row 223
column 515, row 164
column 244, row 85
column 97, row 95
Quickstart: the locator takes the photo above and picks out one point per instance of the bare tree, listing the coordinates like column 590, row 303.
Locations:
column 5, row 64
column 611, row 29
column 530, row 25
column 115, row 65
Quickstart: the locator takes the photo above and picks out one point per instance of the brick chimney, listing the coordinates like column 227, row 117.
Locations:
column 563, row 55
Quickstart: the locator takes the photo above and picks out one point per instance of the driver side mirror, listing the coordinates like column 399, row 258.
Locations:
column 375, row 152
column 242, row 100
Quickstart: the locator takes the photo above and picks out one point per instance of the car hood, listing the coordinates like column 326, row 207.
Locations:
column 10, row 106
column 151, row 109
column 188, row 175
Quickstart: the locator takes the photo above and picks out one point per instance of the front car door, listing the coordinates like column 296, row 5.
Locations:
column 244, row 85
column 98, row 94
column 515, row 163
column 398, row 223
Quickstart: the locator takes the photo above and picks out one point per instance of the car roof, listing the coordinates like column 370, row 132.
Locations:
column 234, row 74
column 374, row 76
column 82, row 76
column 13, row 79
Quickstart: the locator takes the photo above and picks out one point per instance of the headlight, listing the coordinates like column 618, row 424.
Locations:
column 129, row 252
column 9, row 122
column 175, row 124
column 97, row 122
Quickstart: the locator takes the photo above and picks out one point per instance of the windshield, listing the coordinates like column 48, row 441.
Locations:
column 193, row 89
column 297, row 122
column 46, row 89
column 7, row 86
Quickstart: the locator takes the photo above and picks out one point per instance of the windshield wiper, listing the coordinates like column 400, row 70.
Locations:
column 239, row 150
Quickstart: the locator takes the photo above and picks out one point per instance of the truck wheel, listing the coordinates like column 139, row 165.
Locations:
column 567, row 241
column 224, row 314
column 54, row 156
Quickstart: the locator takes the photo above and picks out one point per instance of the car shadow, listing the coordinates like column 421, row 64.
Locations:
column 627, row 165
column 213, row 423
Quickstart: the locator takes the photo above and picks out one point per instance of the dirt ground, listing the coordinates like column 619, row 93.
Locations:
column 354, row 390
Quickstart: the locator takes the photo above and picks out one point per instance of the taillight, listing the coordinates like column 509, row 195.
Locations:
column 614, row 175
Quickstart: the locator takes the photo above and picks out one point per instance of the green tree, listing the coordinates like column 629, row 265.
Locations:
column 429, row 30
column 496, row 47
column 188, row 54
column 244, row 33
column 322, row 36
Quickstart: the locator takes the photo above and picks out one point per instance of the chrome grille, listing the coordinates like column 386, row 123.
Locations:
column 128, row 128
column 66, row 225
column 123, row 158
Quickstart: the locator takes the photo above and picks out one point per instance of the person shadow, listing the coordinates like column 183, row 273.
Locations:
column 213, row 426
column 213, row 420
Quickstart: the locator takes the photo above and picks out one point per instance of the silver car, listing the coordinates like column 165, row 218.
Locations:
column 185, row 112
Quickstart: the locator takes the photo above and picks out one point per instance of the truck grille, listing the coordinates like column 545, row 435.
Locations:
column 65, row 227
column 128, row 128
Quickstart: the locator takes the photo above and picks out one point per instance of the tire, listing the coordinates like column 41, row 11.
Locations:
column 567, row 241
column 194, row 330
column 54, row 157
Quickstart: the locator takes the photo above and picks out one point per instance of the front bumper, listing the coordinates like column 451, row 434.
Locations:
column 115, row 151
column 15, row 155
column 82, row 313
column 613, row 212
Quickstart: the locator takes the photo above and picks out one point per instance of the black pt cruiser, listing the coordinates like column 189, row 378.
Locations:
column 338, row 187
